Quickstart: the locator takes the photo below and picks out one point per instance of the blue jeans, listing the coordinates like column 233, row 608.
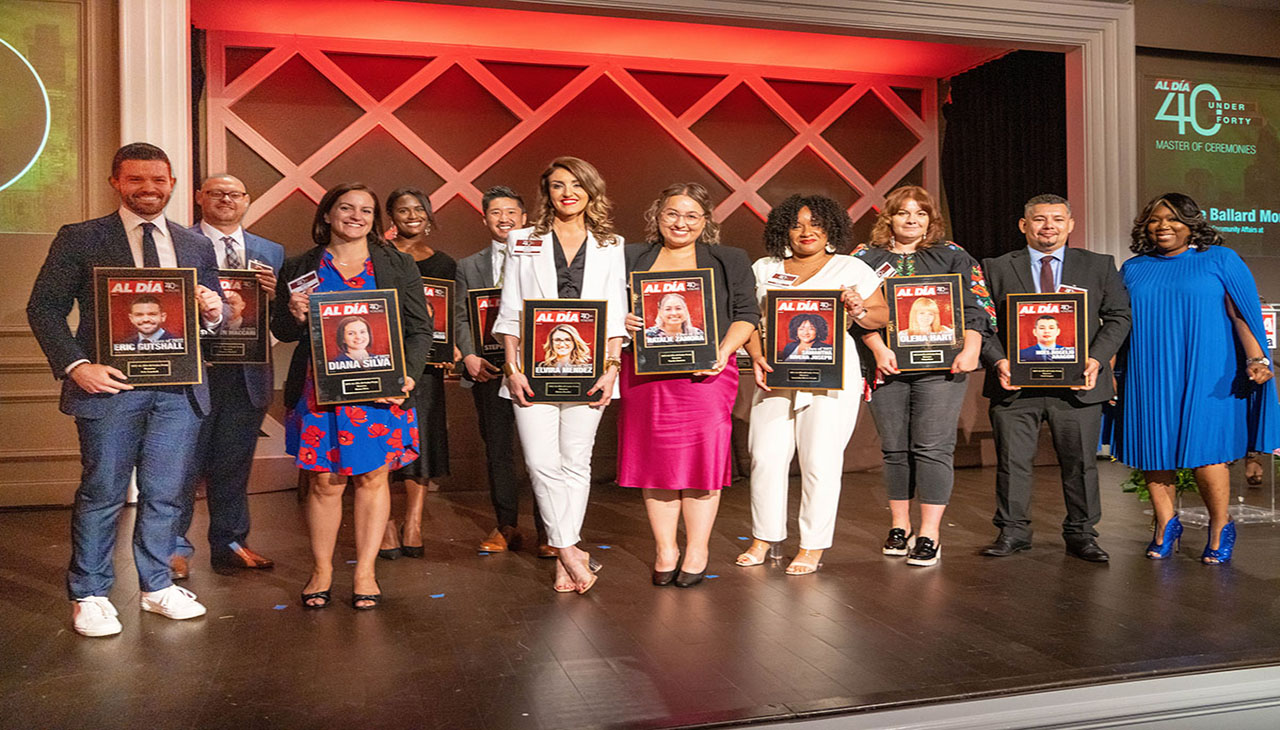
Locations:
column 155, row 430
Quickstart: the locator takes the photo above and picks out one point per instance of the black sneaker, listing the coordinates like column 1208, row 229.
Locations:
column 925, row 552
column 898, row 542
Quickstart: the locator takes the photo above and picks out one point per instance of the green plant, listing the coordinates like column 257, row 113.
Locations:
column 1184, row 481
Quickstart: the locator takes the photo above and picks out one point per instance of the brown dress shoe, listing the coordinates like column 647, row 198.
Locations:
column 496, row 542
column 514, row 539
column 546, row 551
column 179, row 568
column 241, row 557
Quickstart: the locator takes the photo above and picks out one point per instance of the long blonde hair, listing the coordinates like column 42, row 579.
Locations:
column 599, row 213
column 581, row 354
column 918, row 307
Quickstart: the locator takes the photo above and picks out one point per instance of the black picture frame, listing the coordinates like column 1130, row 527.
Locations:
column 821, row 364
column 694, row 348
column 1033, row 364
column 134, row 305
column 439, row 294
column 926, row 320
column 244, row 337
column 567, row 382
column 338, row 378
column 483, row 306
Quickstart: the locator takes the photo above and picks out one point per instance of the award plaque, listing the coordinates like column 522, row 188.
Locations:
column 482, row 307
column 148, row 325
column 562, row 348
column 1047, row 339
column 804, row 338
column 679, row 313
column 439, row 294
column 357, row 347
column 1269, row 312
column 243, row 336
column 926, row 320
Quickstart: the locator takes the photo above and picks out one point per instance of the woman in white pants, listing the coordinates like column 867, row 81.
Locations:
column 806, row 238
column 571, row 252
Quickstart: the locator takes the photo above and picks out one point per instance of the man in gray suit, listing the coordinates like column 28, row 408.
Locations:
column 1073, row 414
column 239, row 394
column 503, row 210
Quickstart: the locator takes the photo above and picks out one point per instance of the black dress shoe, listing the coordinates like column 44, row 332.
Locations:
column 1086, row 548
column 1004, row 546
column 688, row 580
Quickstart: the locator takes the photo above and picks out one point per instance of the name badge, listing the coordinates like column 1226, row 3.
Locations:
column 1067, row 288
column 305, row 283
column 526, row 247
column 885, row 270
column 260, row 265
column 781, row 279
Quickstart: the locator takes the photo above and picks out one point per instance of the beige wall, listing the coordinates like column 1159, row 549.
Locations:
column 1209, row 27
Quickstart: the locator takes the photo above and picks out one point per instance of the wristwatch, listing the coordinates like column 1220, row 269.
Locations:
column 511, row 368
column 1264, row 360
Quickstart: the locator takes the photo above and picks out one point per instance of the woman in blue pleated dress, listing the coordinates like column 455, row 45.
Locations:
column 1197, row 390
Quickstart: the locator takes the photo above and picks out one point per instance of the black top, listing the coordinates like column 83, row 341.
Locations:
column 735, row 284
column 438, row 265
column 568, row 276
column 940, row 258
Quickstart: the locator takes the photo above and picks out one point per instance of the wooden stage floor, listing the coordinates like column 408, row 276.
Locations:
column 468, row 641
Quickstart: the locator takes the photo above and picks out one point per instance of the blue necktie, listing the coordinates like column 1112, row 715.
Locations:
column 150, row 257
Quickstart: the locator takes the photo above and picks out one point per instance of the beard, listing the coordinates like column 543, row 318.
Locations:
column 145, row 205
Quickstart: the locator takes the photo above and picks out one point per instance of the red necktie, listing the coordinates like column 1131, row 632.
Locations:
column 1046, row 275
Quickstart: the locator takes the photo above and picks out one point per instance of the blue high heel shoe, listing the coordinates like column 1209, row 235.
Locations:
column 1169, row 542
column 1226, row 543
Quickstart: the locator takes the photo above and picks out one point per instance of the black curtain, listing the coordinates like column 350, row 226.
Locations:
column 1005, row 141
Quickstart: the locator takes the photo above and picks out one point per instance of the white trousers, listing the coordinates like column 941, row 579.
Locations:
column 820, row 431
column 557, row 439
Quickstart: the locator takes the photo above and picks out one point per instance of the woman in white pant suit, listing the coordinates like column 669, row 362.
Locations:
column 571, row 252
column 807, row 239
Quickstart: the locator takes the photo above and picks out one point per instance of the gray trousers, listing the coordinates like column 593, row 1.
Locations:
column 916, row 416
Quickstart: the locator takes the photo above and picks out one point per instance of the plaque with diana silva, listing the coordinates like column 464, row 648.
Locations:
column 1047, row 339
column 926, row 320
column 357, row 347
column 148, row 324
column 679, row 313
column 804, row 338
column 562, row 348
column 243, row 336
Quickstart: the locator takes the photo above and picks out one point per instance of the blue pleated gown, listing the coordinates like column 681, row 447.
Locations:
column 1185, row 399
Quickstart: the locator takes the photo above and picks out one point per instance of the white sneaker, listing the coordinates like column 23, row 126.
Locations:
column 94, row 616
column 173, row 602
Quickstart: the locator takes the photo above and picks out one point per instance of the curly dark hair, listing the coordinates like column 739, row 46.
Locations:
column 1185, row 210
column 826, row 213
column 819, row 324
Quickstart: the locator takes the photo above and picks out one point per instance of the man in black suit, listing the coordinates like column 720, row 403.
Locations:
column 122, row 427
column 1046, row 347
column 503, row 212
column 1073, row 414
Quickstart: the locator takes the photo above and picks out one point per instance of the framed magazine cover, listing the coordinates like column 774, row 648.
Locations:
column 244, row 335
column 926, row 320
column 148, row 325
column 562, row 347
column 482, row 306
column 804, row 338
column 357, row 346
column 439, row 294
column 680, row 321
column 1047, row 339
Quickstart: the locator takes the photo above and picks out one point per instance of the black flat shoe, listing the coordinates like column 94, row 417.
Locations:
column 688, row 580
column 324, row 597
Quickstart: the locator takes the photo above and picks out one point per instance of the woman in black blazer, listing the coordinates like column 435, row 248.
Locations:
column 361, row 440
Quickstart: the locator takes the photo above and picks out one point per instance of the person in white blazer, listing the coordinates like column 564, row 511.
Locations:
column 807, row 239
column 571, row 252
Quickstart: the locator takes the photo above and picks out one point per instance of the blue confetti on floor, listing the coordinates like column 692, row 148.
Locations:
column 279, row 607
column 482, row 552
column 351, row 562
column 743, row 538
column 437, row 595
column 709, row 577
column 603, row 547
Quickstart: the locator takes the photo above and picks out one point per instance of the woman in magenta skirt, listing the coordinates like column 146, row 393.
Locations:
column 674, row 430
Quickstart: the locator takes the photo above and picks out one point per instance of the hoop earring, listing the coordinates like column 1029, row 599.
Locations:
column 830, row 248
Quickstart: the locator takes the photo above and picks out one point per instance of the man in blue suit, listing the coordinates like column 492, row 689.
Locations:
column 122, row 427
column 238, row 394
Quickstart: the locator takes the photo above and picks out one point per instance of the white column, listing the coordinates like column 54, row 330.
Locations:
column 155, row 87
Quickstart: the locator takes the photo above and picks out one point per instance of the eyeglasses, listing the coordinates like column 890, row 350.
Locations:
column 233, row 195
column 671, row 216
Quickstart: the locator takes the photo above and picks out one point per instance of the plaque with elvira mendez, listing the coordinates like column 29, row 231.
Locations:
column 357, row 347
column 804, row 338
column 1047, row 339
column 562, row 348
column 148, row 324
column 243, row 336
column 679, row 313
column 926, row 320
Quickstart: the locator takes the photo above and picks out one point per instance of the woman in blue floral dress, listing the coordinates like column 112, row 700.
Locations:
column 365, row 441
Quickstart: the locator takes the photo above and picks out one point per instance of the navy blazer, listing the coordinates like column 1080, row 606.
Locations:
column 66, row 279
column 259, row 380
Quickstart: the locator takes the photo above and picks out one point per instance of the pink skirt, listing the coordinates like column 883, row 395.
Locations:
column 675, row 431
